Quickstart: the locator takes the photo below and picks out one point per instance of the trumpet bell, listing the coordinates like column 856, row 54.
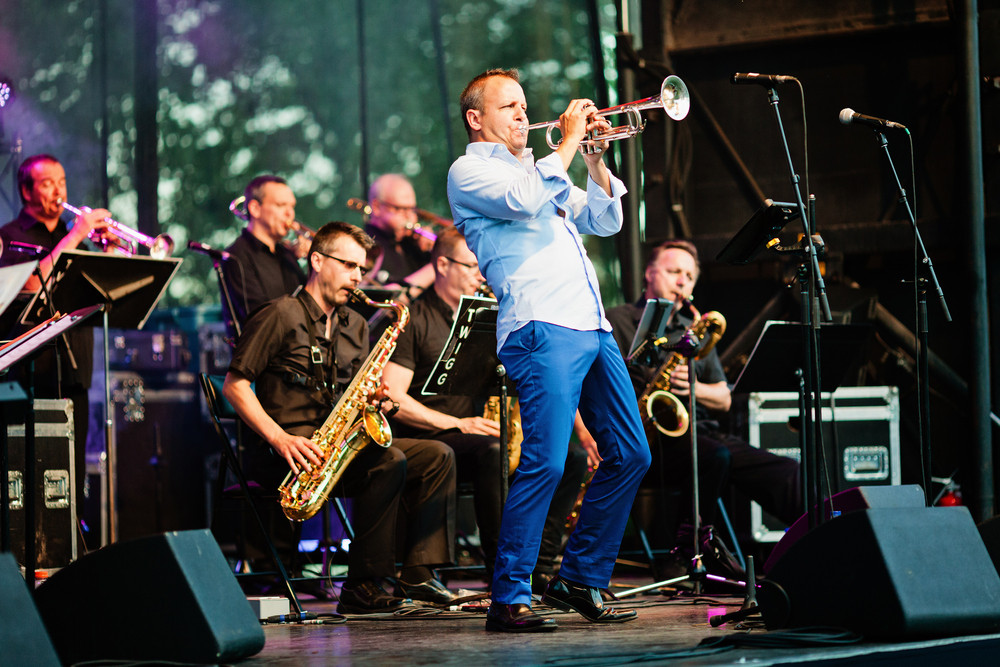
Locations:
column 675, row 98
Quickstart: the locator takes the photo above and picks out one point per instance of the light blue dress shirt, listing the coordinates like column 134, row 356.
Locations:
column 523, row 220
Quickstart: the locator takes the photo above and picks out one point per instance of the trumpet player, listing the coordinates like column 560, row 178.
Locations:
column 671, row 273
column 454, row 420
column 523, row 220
column 41, row 185
column 405, row 258
column 260, row 266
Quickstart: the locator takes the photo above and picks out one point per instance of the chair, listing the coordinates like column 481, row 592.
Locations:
column 219, row 408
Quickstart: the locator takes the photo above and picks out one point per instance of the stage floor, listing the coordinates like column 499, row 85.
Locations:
column 670, row 628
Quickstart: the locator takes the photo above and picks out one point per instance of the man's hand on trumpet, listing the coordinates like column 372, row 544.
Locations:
column 578, row 123
column 92, row 224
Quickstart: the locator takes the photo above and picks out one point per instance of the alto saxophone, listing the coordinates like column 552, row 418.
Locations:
column 491, row 411
column 353, row 424
column 657, row 405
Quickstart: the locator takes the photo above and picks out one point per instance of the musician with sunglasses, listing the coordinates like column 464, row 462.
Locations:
column 523, row 219
column 301, row 351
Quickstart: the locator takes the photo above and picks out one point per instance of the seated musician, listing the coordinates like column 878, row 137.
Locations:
column 41, row 184
column 723, row 459
column 454, row 420
column 405, row 254
column 302, row 351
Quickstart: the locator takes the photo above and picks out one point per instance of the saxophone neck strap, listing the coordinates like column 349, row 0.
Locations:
column 316, row 366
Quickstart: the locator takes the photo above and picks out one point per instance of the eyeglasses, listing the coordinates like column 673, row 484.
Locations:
column 350, row 266
column 474, row 267
column 398, row 209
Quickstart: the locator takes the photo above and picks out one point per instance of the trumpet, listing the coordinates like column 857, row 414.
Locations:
column 238, row 208
column 123, row 240
column 357, row 204
column 674, row 99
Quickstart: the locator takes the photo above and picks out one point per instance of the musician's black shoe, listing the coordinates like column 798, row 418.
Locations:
column 516, row 618
column 368, row 597
column 431, row 590
column 585, row 600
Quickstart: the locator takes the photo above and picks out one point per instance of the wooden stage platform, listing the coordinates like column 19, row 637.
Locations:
column 671, row 629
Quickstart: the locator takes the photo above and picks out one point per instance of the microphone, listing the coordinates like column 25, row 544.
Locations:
column 848, row 116
column 218, row 255
column 27, row 248
column 768, row 80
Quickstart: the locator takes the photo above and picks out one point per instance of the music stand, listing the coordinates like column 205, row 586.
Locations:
column 770, row 367
column 24, row 346
column 651, row 329
column 468, row 366
column 129, row 289
column 758, row 232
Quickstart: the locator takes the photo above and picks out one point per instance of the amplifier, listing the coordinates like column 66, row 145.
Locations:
column 860, row 435
column 148, row 350
column 55, row 480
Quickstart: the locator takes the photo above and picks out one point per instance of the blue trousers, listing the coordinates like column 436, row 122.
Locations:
column 558, row 370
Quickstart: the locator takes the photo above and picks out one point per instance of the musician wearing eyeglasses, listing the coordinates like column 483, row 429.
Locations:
column 43, row 234
column 523, row 219
column 672, row 272
column 391, row 223
column 301, row 352
column 260, row 267
column 458, row 421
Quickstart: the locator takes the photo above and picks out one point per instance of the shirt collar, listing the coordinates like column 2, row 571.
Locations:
column 27, row 221
column 492, row 149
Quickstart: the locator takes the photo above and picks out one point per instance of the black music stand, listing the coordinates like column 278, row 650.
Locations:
column 650, row 332
column 770, row 367
column 468, row 366
column 129, row 289
column 759, row 232
column 26, row 346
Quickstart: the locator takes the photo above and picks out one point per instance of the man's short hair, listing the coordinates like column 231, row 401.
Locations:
column 680, row 244
column 447, row 240
column 25, row 181
column 255, row 188
column 327, row 235
column 472, row 96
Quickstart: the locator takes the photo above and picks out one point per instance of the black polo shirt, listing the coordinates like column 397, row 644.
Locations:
column 26, row 229
column 398, row 259
column 418, row 348
column 255, row 275
column 624, row 321
column 274, row 352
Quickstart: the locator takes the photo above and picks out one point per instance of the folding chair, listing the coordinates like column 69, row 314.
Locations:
column 221, row 409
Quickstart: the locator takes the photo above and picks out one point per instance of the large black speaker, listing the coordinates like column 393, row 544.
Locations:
column 889, row 573
column 164, row 597
column 22, row 634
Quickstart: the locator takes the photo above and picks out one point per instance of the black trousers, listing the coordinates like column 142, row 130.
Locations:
column 410, row 484
column 477, row 458
column 723, row 459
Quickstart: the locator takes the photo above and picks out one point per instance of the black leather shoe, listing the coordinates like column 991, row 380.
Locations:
column 368, row 597
column 431, row 590
column 585, row 600
column 516, row 618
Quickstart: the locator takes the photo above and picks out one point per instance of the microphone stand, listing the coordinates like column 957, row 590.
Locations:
column 813, row 287
column 922, row 265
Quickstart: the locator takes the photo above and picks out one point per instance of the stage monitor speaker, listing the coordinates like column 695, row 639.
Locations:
column 897, row 573
column 22, row 634
column 164, row 597
column 849, row 500
column 989, row 530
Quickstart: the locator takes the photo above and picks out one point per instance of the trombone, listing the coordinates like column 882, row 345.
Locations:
column 238, row 208
column 674, row 99
column 125, row 241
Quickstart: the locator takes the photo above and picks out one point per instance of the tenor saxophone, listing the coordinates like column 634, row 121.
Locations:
column 660, row 407
column 515, row 435
column 354, row 423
